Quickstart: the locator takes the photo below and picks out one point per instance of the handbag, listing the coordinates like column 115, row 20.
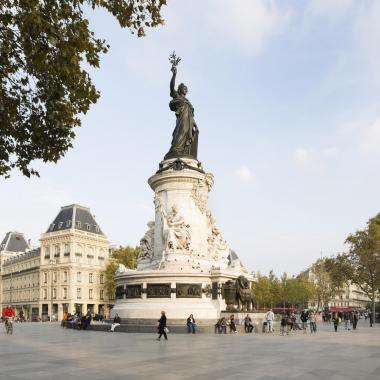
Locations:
column 166, row 330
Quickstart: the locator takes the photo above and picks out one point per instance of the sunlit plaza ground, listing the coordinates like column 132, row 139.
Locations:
column 46, row 351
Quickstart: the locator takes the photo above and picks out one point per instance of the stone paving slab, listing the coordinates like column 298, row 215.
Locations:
column 46, row 351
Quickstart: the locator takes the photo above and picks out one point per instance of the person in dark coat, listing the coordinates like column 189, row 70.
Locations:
column 370, row 314
column 355, row 318
column 232, row 324
column 162, row 326
column 335, row 320
column 304, row 317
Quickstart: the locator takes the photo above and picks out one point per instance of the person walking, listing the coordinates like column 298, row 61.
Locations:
column 162, row 326
column 289, row 323
column 370, row 315
column 335, row 320
column 283, row 325
column 269, row 317
column 304, row 318
column 346, row 319
column 355, row 318
column 191, row 324
column 88, row 319
column 313, row 322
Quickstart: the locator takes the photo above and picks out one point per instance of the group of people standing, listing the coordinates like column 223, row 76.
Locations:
column 289, row 322
column 349, row 319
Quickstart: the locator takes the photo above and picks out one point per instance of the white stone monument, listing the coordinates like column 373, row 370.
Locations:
column 184, row 258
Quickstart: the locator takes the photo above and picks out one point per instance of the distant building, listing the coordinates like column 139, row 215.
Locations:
column 66, row 274
column 20, row 282
column 13, row 245
column 351, row 296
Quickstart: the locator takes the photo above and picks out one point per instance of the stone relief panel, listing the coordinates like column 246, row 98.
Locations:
column 200, row 192
column 218, row 248
column 158, row 291
column 189, row 290
column 147, row 243
column 216, row 243
column 133, row 291
column 176, row 231
column 199, row 195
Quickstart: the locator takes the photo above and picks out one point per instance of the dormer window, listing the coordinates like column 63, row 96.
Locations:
column 68, row 223
column 52, row 226
column 79, row 224
column 96, row 228
column 60, row 224
column 88, row 227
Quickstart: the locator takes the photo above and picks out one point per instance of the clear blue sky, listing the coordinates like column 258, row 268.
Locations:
column 287, row 100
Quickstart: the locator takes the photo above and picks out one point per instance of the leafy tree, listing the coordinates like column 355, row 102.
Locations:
column 304, row 290
column 109, row 275
column 284, row 292
column 327, row 284
column 275, row 290
column 45, row 47
column 126, row 256
column 363, row 259
column 122, row 255
column 261, row 291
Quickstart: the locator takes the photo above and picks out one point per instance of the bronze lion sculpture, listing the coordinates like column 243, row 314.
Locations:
column 244, row 296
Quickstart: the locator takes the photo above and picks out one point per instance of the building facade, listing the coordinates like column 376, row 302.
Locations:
column 20, row 283
column 351, row 296
column 14, row 244
column 66, row 274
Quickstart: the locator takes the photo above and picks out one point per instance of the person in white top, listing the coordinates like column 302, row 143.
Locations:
column 270, row 319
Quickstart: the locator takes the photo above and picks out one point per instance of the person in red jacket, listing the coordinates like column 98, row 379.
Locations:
column 8, row 312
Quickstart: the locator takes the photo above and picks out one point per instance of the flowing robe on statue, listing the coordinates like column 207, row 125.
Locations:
column 185, row 135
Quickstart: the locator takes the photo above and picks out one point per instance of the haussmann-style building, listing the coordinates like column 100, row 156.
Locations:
column 66, row 274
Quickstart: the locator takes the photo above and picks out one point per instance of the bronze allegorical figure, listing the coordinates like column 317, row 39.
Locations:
column 185, row 135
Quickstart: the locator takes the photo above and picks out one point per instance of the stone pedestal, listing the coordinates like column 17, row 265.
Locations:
column 184, row 258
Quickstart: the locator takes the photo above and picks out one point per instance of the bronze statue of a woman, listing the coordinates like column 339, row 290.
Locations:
column 185, row 135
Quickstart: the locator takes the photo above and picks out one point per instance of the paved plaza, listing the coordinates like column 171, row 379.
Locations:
column 46, row 351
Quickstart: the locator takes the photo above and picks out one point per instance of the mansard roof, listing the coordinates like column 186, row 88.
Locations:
column 14, row 242
column 24, row 256
column 77, row 217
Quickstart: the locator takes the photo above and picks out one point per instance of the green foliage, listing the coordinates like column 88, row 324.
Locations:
column 363, row 258
column 261, row 291
column 271, row 291
column 109, row 282
column 126, row 256
column 122, row 255
column 328, row 279
column 44, row 47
